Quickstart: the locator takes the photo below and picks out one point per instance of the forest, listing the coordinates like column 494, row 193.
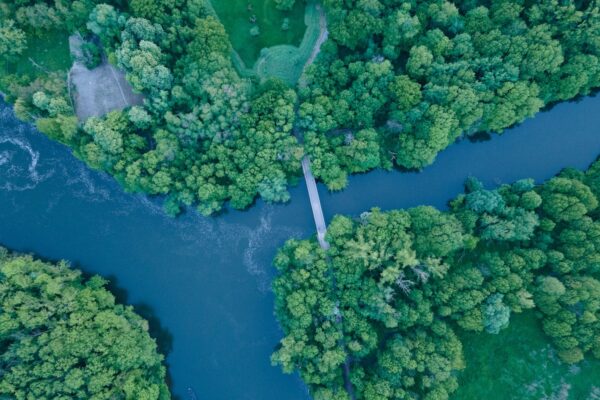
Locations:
column 204, row 135
column 63, row 336
column 386, row 301
column 382, row 313
column 397, row 82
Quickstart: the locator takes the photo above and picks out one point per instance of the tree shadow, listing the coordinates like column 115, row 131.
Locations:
column 479, row 137
column 577, row 99
column 163, row 337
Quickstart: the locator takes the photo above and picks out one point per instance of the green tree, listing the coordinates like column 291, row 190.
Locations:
column 104, row 22
column 567, row 199
column 13, row 40
column 381, row 299
column 63, row 336
column 571, row 312
column 495, row 314
column 436, row 234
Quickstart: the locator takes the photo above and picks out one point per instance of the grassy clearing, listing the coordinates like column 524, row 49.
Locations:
column 520, row 364
column 287, row 62
column 50, row 52
column 235, row 16
column 284, row 61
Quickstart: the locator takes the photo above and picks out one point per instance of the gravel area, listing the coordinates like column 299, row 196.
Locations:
column 100, row 90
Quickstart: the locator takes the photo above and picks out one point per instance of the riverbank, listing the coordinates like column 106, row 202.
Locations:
column 182, row 270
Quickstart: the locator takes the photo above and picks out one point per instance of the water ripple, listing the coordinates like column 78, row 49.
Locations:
column 14, row 176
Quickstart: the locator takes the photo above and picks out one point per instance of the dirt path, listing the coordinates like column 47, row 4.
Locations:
column 322, row 37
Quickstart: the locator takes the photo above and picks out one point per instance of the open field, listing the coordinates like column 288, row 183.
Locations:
column 99, row 90
column 287, row 62
column 520, row 364
column 236, row 15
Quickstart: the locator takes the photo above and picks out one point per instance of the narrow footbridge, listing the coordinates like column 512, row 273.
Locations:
column 317, row 210
column 315, row 203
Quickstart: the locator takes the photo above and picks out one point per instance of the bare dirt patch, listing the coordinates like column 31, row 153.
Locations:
column 100, row 90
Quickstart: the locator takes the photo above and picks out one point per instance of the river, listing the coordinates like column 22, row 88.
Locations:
column 204, row 282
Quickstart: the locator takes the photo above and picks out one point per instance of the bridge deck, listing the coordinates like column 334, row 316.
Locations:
column 315, row 203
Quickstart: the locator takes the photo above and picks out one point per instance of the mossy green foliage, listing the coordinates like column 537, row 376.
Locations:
column 395, row 83
column 237, row 17
column 287, row 62
column 34, row 38
column 44, row 53
column 385, row 300
column 520, row 364
column 62, row 336
column 35, row 59
column 284, row 62
column 205, row 135
column 424, row 73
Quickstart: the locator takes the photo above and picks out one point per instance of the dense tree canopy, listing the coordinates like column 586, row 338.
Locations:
column 39, row 92
column 63, row 337
column 421, row 73
column 204, row 135
column 386, row 297
column 396, row 83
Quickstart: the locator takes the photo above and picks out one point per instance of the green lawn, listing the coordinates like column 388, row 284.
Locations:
column 50, row 52
column 519, row 364
column 287, row 62
column 235, row 16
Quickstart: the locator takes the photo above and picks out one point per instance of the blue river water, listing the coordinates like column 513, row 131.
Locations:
column 204, row 282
